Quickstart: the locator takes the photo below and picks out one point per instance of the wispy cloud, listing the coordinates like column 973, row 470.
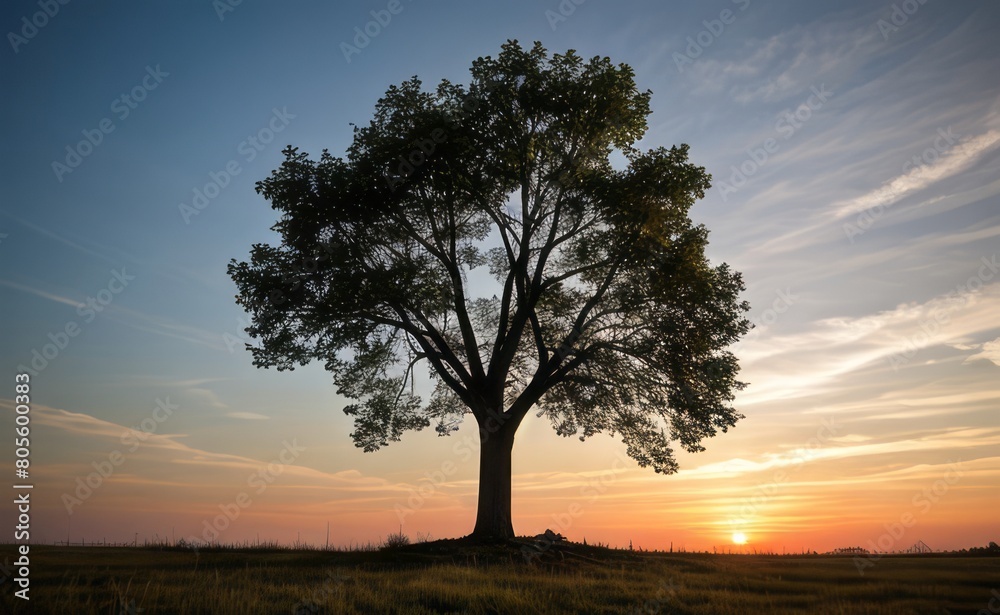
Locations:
column 794, row 365
column 162, row 382
column 951, row 162
column 63, row 240
column 886, row 205
column 207, row 397
column 989, row 351
column 949, row 439
column 141, row 321
column 247, row 416
column 41, row 293
column 167, row 327
column 151, row 455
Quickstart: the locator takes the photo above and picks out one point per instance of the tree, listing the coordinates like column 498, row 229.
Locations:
column 600, row 309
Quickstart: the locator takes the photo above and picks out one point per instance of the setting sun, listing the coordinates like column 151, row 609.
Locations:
column 739, row 538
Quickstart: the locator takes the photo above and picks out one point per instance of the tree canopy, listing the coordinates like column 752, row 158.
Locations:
column 484, row 231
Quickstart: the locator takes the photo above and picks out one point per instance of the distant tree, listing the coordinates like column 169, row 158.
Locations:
column 990, row 549
column 484, row 231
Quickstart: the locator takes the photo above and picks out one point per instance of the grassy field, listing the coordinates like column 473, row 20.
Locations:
column 446, row 577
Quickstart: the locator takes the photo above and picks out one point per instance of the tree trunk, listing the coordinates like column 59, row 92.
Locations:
column 493, row 520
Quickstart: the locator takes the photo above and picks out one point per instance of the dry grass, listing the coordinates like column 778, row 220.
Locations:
column 450, row 577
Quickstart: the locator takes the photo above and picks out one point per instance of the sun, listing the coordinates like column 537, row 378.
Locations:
column 739, row 538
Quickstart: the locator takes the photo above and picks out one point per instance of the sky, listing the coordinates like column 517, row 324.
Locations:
column 854, row 148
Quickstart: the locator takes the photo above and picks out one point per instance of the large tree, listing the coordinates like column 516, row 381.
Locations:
column 483, row 230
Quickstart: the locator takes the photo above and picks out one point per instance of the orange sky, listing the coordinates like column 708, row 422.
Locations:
column 824, row 486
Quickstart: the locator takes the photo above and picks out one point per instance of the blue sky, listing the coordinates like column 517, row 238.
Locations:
column 854, row 148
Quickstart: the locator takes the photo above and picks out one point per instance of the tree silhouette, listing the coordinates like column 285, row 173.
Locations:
column 599, row 309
